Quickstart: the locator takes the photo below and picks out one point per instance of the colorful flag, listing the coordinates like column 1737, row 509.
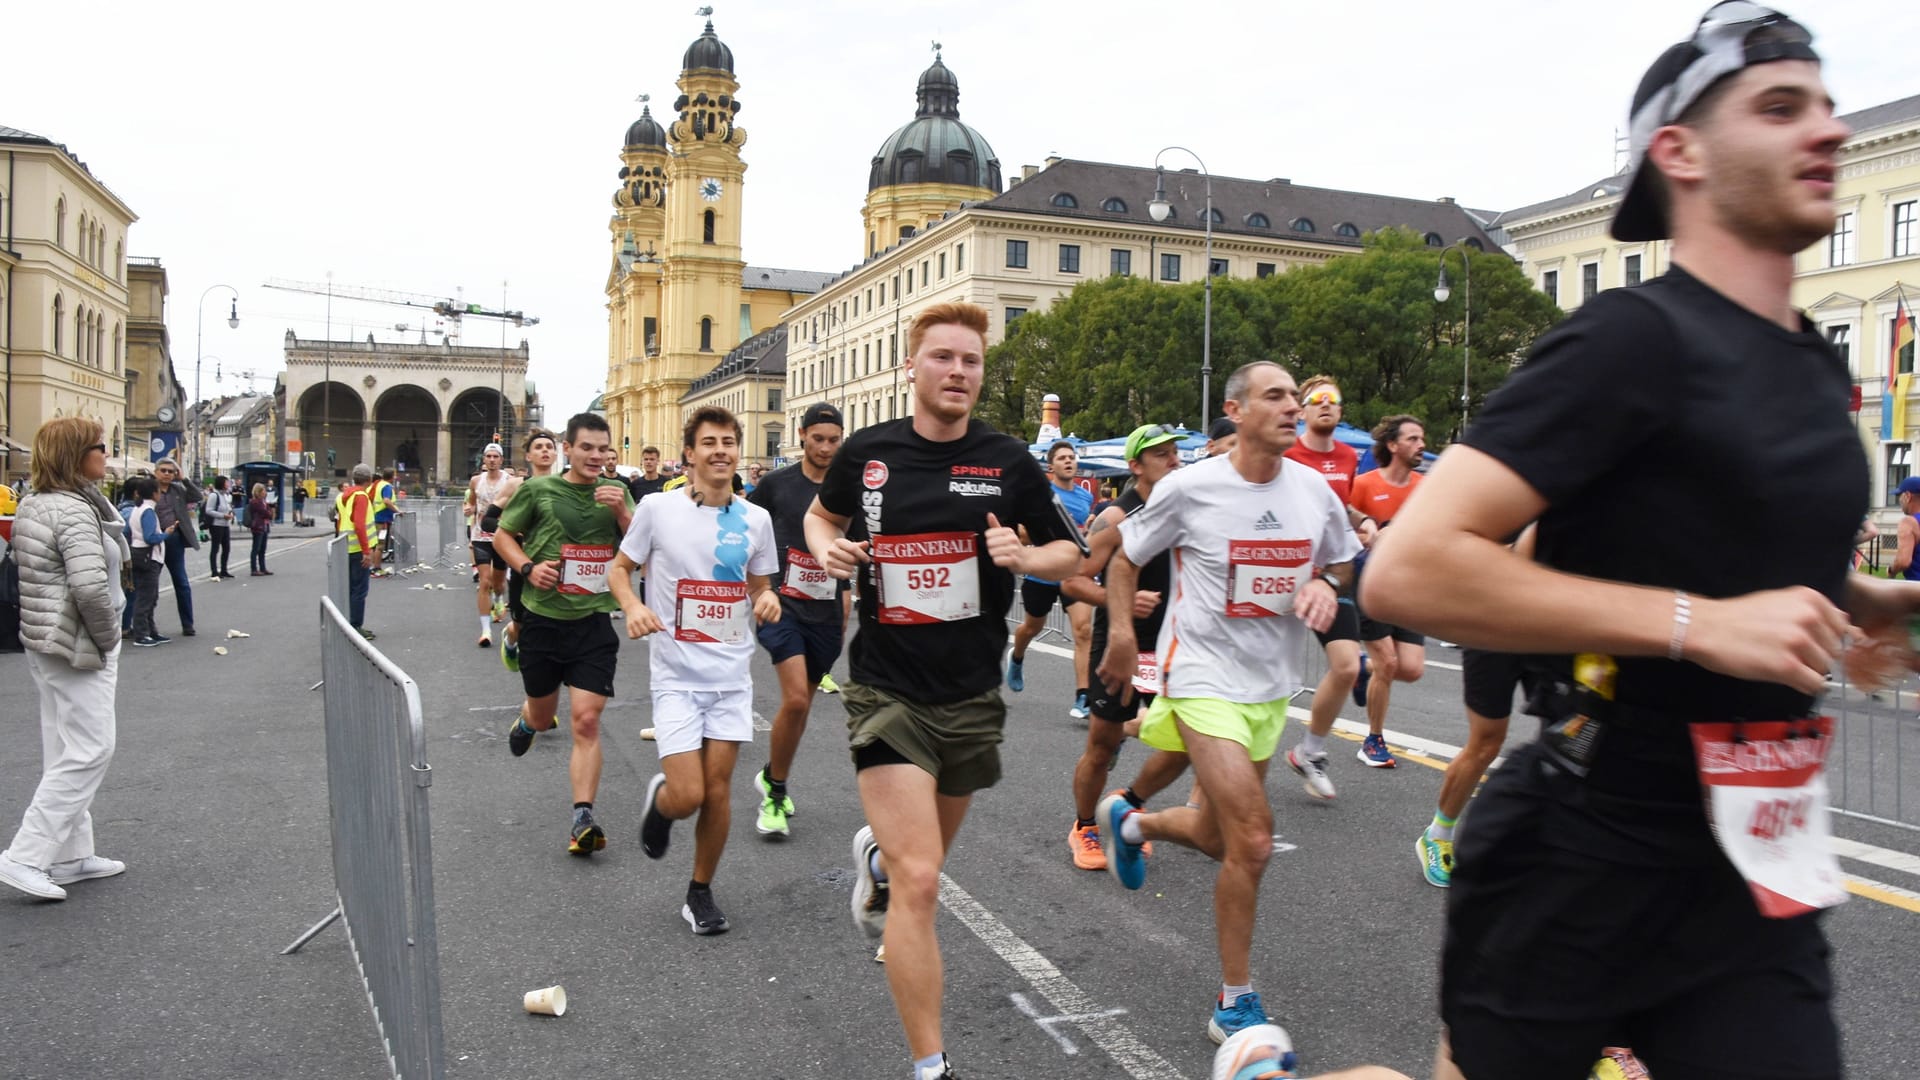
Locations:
column 1891, row 393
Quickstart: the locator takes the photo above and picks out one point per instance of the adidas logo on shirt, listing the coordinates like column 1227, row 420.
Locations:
column 1266, row 522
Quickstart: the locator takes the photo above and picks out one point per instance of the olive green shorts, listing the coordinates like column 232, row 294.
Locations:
column 1256, row 727
column 958, row 742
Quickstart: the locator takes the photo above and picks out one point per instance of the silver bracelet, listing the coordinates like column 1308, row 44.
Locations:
column 1682, row 615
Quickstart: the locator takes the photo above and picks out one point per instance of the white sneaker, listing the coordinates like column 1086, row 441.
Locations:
column 93, row 866
column 1313, row 773
column 29, row 879
column 869, row 894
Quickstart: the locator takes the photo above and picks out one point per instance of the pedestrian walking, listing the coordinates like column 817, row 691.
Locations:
column 260, row 524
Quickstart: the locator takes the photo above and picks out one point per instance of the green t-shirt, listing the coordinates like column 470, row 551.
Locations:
column 554, row 518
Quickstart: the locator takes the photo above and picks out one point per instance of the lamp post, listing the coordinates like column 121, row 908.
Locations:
column 199, row 335
column 1440, row 294
column 1161, row 209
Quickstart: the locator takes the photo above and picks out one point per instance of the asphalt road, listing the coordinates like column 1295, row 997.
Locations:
column 217, row 800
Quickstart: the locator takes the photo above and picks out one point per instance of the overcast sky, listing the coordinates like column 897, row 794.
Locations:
column 429, row 147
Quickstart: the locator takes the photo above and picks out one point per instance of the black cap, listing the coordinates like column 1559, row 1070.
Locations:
column 1222, row 428
column 821, row 413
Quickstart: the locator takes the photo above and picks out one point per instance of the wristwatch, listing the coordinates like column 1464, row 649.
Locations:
column 1333, row 581
column 526, row 572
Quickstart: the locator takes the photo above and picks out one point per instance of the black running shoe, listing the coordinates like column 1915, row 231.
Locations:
column 587, row 837
column 519, row 736
column 702, row 913
column 656, row 829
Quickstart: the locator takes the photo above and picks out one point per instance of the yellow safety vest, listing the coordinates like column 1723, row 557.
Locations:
column 343, row 510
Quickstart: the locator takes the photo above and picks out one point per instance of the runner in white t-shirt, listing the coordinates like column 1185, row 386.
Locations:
column 710, row 562
column 1247, row 531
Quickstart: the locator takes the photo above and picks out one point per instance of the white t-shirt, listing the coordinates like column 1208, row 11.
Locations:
column 697, row 560
column 485, row 490
column 1261, row 542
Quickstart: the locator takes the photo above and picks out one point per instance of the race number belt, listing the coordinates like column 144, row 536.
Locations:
column 711, row 612
column 928, row 577
column 1263, row 576
column 1765, row 786
column 583, row 568
column 806, row 578
column 1146, row 673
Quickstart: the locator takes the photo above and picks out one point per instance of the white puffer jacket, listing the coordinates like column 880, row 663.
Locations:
column 69, row 546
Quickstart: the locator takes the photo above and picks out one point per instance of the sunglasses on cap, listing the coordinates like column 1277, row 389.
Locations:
column 1321, row 395
column 1157, row 431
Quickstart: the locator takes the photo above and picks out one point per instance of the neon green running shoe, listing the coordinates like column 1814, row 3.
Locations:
column 827, row 685
column 1436, row 859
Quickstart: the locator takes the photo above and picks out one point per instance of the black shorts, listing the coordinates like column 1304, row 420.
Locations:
column 580, row 653
column 1490, row 678
column 1346, row 624
column 484, row 555
column 1552, row 953
column 1375, row 630
column 1113, row 708
column 1038, row 597
column 515, row 585
column 819, row 642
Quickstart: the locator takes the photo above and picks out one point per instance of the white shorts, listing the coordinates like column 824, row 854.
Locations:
column 684, row 719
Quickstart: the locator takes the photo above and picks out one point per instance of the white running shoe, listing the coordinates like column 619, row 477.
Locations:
column 93, row 866
column 1313, row 773
column 29, row 879
column 869, row 893
column 1259, row 1052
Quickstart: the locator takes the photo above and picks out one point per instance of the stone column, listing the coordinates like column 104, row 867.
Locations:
column 443, row 455
column 367, row 431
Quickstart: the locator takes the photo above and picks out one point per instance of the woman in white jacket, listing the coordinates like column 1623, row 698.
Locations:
column 69, row 543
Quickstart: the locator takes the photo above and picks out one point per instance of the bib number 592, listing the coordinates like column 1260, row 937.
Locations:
column 932, row 577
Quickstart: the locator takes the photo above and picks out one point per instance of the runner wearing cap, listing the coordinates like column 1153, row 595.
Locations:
column 1037, row 596
column 932, row 502
column 559, row 533
column 1153, row 452
column 1394, row 653
column 1908, row 531
column 542, row 452
column 1639, row 841
column 805, row 641
column 488, row 566
column 1247, row 532
column 1222, row 435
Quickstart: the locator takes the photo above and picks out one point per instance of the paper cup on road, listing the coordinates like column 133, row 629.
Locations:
column 219, row 650
column 551, row 1001
column 646, row 733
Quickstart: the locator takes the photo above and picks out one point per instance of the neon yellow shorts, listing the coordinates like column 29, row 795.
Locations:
column 1256, row 727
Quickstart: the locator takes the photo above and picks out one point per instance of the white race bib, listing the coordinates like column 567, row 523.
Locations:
column 711, row 612
column 1263, row 576
column 806, row 578
column 1765, row 785
column 1146, row 673
column 583, row 568
column 928, row 577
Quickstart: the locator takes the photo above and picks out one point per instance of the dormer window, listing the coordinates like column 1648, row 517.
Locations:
column 1258, row 220
column 1065, row 201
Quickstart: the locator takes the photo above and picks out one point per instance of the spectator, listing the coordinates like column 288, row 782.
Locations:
column 218, row 514
column 175, row 501
column 300, row 503
column 260, row 523
column 147, row 542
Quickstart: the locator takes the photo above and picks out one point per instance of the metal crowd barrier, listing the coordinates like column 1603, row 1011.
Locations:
column 338, row 585
column 1872, row 762
column 405, row 533
column 377, row 780
column 452, row 534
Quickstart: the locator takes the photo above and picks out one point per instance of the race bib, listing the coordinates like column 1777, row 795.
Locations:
column 1146, row 673
column 583, row 568
column 806, row 578
column 928, row 577
column 1263, row 576
column 711, row 612
column 1765, row 786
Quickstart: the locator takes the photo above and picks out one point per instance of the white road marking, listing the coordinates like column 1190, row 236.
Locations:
column 1867, row 853
column 1073, row 1004
column 1046, row 1023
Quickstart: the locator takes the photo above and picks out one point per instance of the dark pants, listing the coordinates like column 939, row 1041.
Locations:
column 182, row 589
column 146, row 593
column 257, row 558
column 219, row 549
column 358, row 575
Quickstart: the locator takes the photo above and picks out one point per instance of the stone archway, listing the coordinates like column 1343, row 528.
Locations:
column 406, row 421
column 472, row 422
column 341, row 429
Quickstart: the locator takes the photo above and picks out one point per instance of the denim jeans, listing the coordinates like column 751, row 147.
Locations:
column 182, row 589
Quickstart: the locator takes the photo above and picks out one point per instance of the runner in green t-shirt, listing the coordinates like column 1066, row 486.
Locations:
column 559, row 533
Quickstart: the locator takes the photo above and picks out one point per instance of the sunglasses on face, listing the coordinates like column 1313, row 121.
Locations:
column 102, row 447
column 1321, row 396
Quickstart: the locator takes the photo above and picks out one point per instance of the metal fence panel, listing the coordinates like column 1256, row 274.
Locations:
column 453, row 535
column 405, row 531
column 1873, row 761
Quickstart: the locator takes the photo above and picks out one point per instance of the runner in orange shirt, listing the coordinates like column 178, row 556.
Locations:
column 1394, row 653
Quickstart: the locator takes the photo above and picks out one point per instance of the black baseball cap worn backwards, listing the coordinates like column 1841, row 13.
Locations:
column 821, row 412
column 1732, row 35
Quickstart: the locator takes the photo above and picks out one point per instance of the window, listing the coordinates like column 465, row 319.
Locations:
column 1016, row 254
column 1474, row 243
column 1899, row 467
column 1840, row 246
column 706, row 334
column 1906, row 353
column 1120, row 262
column 896, row 287
column 873, row 246
column 1261, row 270
column 649, row 336
column 959, row 258
column 943, row 266
column 926, row 267
column 56, row 325
column 1434, row 239
column 883, row 297
column 1347, row 229
column 893, row 350
column 1217, row 267
column 1550, row 284
column 1589, row 281
column 746, row 321
column 1066, row 202
column 1630, row 270
column 1114, row 206
column 60, row 223
column 909, row 282
column 1903, row 231
column 1258, row 220
column 1013, row 314
column 1069, row 258
column 1169, row 268
column 706, row 229
column 1841, row 338
column 1302, row 224
column 773, row 443
column 906, row 232
column 883, row 292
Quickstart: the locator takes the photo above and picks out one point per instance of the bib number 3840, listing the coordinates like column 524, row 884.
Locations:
column 1765, row 786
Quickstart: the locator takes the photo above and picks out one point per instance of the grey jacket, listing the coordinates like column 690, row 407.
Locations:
column 176, row 504
column 69, row 546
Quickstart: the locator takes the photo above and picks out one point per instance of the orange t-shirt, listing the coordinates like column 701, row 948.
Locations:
column 1376, row 498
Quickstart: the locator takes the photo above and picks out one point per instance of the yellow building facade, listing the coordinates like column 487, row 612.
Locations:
column 1849, row 284
column 63, row 294
column 750, row 382
column 156, row 402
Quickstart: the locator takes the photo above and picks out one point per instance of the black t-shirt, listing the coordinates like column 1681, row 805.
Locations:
column 1156, row 576
column 643, row 487
column 787, row 495
column 1683, row 441
column 892, row 483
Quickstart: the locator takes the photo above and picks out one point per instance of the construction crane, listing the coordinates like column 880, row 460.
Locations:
column 452, row 310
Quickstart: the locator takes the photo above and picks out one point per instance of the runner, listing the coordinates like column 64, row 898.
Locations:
column 1907, row 533
column 649, row 480
column 1394, row 653
column 542, row 451
column 711, row 561
column 1222, row 436
column 934, row 500
column 1336, row 463
column 1037, row 596
column 559, row 533
column 1247, row 532
column 1153, row 451
column 488, row 566
column 805, row 641
column 1680, row 654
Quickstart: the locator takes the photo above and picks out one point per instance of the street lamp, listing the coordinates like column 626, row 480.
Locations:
column 1161, row 209
column 199, row 334
column 1440, row 294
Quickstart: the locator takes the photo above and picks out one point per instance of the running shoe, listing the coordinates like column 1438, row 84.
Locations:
column 656, row 829
column 587, row 836
column 87, row 869
column 500, row 609
column 31, row 880
column 365, row 634
column 1245, row 1012
column 766, row 791
column 1373, row 751
column 1079, row 710
column 1127, row 862
column 1436, row 859
column 827, row 685
column 519, row 736
column 1146, row 848
column 772, row 820
column 509, row 654
column 1260, row 1052
column 1360, row 683
column 1016, row 674
column 1084, row 846
column 702, row 913
column 869, row 892
column 943, row 1072
column 486, row 641
column 1313, row 771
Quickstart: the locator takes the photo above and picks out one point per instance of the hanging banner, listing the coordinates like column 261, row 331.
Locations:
column 162, row 444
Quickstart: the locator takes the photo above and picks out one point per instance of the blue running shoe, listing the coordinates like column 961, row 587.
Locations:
column 1127, row 861
column 1016, row 674
column 1360, row 684
column 1245, row 1012
column 1079, row 710
column 1373, row 751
